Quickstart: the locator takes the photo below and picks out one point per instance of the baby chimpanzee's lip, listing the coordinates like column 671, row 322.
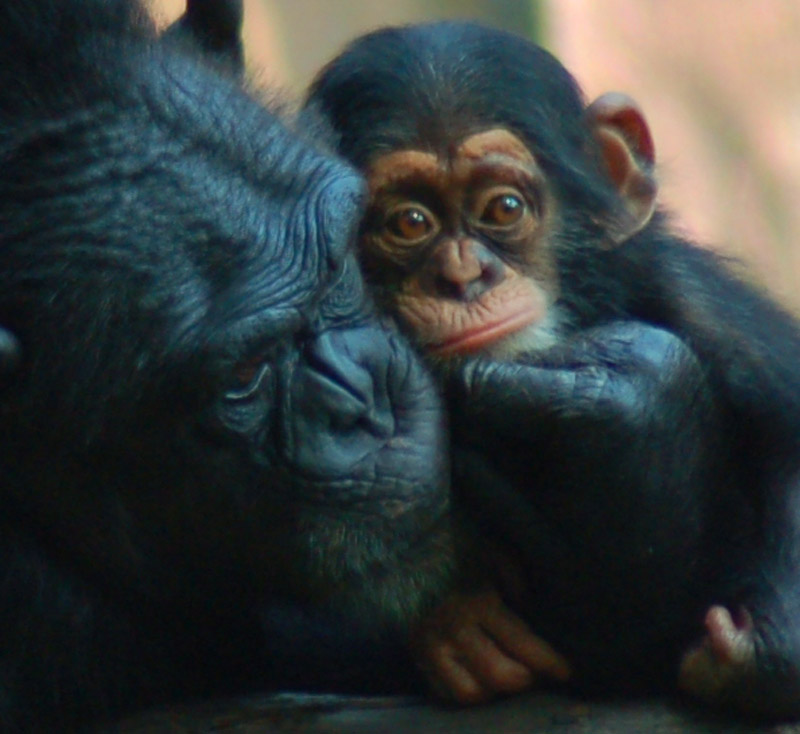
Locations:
column 473, row 340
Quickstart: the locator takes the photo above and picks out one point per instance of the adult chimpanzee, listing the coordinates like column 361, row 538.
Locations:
column 205, row 432
column 626, row 408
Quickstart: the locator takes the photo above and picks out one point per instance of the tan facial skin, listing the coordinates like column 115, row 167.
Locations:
column 477, row 239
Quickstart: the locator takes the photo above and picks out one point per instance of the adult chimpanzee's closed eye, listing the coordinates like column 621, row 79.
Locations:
column 215, row 464
column 626, row 410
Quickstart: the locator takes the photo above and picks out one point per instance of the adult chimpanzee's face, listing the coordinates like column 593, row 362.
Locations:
column 204, row 392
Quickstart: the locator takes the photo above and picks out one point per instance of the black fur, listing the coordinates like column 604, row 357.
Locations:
column 649, row 465
column 219, row 473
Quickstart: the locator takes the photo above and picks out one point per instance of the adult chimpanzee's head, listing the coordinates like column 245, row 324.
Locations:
column 195, row 391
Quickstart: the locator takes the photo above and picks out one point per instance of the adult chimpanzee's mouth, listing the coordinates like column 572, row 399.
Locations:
column 357, row 422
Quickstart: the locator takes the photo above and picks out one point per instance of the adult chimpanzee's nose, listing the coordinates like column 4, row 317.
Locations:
column 340, row 396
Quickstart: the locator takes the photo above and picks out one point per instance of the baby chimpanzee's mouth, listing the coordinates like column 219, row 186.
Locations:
column 473, row 340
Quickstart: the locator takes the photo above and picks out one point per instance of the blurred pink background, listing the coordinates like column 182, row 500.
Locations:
column 718, row 80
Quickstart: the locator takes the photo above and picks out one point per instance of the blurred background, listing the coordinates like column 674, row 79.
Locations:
column 719, row 82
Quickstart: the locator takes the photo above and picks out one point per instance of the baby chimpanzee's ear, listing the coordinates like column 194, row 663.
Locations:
column 626, row 146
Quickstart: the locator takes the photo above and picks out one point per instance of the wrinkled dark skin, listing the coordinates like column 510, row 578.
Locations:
column 639, row 471
column 220, row 472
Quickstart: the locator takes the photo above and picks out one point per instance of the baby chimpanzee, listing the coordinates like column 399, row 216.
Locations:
column 625, row 409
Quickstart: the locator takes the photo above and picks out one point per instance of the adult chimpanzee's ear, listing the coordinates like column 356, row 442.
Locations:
column 215, row 26
column 627, row 148
column 9, row 353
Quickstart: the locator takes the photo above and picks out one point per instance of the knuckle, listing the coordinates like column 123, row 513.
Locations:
column 469, row 694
